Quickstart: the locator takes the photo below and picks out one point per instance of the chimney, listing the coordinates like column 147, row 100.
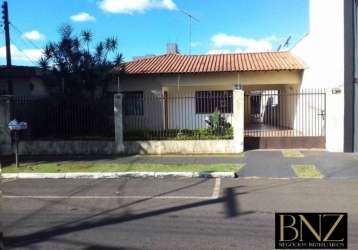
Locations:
column 172, row 48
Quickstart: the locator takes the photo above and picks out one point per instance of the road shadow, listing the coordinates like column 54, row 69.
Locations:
column 229, row 201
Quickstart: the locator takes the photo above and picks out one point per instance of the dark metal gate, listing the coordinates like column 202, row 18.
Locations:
column 285, row 119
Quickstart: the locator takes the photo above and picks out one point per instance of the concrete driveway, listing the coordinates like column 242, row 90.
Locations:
column 276, row 165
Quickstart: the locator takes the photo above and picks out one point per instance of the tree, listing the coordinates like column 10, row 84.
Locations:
column 78, row 69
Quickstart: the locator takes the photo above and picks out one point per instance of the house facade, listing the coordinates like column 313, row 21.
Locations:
column 278, row 112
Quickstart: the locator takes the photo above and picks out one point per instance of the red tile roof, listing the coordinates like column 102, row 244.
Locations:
column 176, row 63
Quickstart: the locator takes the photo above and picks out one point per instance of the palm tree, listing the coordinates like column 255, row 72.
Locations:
column 77, row 69
column 87, row 36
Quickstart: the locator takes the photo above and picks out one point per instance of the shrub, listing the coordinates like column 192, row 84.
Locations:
column 177, row 134
column 217, row 123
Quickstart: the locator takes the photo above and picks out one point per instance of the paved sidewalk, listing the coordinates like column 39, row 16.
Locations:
column 274, row 164
column 259, row 163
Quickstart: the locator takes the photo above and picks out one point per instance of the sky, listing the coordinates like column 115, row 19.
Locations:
column 144, row 27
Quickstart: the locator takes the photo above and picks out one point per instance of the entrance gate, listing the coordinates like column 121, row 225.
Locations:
column 285, row 119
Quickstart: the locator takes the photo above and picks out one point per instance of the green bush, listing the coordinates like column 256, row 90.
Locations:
column 218, row 124
column 177, row 134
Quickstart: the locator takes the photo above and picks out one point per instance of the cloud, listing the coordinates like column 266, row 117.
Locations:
column 26, row 55
column 33, row 35
column 132, row 6
column 223, row 40
column 82, row 17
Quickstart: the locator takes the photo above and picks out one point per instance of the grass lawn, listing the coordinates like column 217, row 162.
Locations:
column 306, row 171
column 112, row 167
column 288, row 153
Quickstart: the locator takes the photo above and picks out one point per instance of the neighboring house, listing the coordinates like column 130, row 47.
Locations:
column 26, row 81
column 328, row 51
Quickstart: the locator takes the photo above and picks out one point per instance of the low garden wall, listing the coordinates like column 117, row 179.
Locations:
column 183, row 141
column 182, row 147
column 67, row 147
column 128, row 147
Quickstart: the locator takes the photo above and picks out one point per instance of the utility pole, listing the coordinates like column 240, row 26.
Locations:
column 5, row 16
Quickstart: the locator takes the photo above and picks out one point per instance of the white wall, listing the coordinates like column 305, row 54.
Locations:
column 322, row 50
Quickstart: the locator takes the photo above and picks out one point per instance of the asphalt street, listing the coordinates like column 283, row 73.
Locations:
column 170, row 213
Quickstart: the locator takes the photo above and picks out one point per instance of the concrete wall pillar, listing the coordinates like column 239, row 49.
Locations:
column 334, row 120
column 355, row 127
column 5, row 116
column 118, row 122
column 238, row 120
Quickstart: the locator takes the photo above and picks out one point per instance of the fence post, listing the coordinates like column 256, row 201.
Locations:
column 5, row 116
column 238, row 120
column 118, row 122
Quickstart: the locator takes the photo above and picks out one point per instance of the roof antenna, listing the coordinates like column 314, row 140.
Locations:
column 191, row 17
column 285, row 44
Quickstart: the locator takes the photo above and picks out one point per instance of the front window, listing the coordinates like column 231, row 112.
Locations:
column 207, row 102
column 133, row 103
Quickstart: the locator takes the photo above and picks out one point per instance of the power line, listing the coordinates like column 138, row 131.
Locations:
column 19, row 33
column 22, row 52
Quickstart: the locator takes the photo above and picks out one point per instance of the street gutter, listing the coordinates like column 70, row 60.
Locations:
column 114, row 175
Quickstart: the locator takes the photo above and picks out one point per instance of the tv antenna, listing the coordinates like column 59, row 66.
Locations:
column 285, row 44
column 191, row 18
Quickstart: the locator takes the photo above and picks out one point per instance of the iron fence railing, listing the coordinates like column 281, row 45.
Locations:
column 59, row 118
column 204, row 115
column 277, row 113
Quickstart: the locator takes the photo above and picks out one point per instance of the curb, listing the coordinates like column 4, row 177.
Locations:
column 114, row 175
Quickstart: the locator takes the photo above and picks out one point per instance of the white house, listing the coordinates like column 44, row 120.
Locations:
column 179, row 92
column 323, row 59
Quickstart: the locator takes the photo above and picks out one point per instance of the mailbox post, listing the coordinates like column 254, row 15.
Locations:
column 16, row 127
